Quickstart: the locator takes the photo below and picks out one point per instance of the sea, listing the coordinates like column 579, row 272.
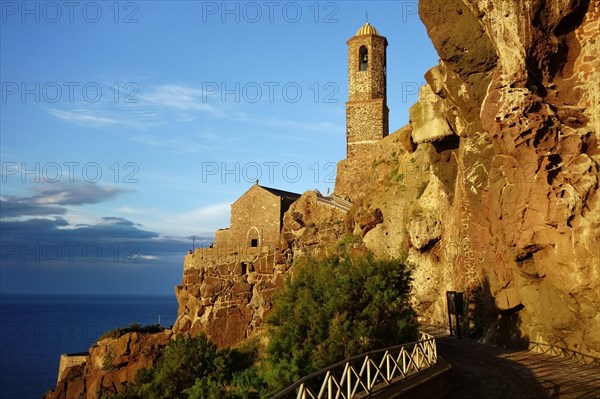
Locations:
column 36, row 329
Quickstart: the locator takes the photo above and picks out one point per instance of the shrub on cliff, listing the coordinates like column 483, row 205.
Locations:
column 189, row 368
column 134, row 327
column 336, row 308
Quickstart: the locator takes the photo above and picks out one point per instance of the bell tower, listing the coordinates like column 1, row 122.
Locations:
column 366, row 109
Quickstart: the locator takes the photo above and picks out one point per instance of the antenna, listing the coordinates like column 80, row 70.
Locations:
column 159, row 320
column 367, row 17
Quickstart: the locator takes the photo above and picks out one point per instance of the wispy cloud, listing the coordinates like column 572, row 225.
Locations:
column 178, row 97
column 179, row 144
column 288, row 124
column 87, row 116
column 200, row 221
column 206, row 215
column 168, row 104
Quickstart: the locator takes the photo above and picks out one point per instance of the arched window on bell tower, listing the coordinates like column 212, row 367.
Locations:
column 363, row 58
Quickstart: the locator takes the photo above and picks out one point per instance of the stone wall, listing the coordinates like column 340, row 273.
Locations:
column 369, row 84
column 366, row 123
column 227, row 295
column 67, row 362
column 222, row 237
column 227, row 291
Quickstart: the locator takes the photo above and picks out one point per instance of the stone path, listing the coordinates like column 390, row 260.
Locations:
column 482, row 371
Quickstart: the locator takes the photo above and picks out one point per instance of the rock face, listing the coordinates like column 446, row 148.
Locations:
column 227, row 294
column 496, row 191
column 428, row 117
column 313, row 224
column 108, row 366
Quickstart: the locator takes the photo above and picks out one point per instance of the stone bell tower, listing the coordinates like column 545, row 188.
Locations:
column 366, row 109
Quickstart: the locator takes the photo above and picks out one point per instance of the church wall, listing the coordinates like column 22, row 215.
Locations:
column 255, row 215
column 222, row 237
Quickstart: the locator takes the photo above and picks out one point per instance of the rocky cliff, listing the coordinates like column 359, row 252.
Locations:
column 108, row 366
column 492, row 189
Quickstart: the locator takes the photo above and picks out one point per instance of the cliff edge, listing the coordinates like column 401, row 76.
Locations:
column 492, row 189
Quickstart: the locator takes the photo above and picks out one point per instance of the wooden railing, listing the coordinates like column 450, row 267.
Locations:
column 367, row 373
column 552, row 350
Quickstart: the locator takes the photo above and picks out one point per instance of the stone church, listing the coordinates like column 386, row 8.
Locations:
column 257, row 216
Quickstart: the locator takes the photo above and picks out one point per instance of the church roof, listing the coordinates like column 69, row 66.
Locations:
column 367, row 29
column 282, row 193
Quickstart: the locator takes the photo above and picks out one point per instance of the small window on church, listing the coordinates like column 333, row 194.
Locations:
column 363, row 58
column 254, row 242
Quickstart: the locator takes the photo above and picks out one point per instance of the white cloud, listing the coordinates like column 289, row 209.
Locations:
column 200, row 220
column 178, row 144
column 144, row 257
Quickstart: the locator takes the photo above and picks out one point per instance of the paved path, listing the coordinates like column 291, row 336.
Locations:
column 482, row 371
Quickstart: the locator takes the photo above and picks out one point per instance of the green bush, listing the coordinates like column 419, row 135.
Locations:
column 189, row 368
column 334, row 309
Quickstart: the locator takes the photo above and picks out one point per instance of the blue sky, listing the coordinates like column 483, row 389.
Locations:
column 128, row 127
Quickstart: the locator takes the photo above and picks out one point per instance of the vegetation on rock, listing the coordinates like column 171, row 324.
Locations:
column 190, row 368
column 330, row 310
column 134, row 327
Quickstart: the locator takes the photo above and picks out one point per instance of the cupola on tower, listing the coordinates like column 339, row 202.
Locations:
column 366, row 109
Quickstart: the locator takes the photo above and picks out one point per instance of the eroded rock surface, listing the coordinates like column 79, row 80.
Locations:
column 503, row 203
